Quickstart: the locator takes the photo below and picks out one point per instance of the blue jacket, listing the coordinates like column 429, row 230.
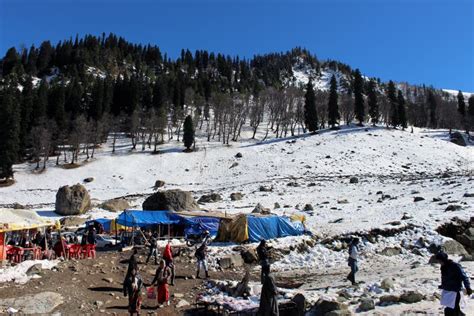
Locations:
column 452, row 277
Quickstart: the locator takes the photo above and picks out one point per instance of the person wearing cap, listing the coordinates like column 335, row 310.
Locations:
column 452, row 279
column 352, row 261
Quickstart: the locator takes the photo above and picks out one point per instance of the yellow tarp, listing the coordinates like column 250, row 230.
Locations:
column 11, row 219
column 235, row 230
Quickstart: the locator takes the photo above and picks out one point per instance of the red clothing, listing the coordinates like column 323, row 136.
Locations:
column 163, row 295
column 167, row 255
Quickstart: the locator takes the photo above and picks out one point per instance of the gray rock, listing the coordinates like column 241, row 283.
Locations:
column 366, row 304
column 34, row 269
column 159, row 184
column 174, row 200
column 276, row 205
column 178, row 295
column 74, row 200
column 249, row 255
column 452, row 247
column 325, row 306
column 40, row 303
column 391, row 251
column 235, row 164
column 418, row 199
column 236, row 196
column 458, row 139
column 265, row 189
column 259, row 209
column 115, row 205
column 182, row 303
column 231, row 261
column 388, row 284
column 308, row 207
column 389, row 299
column 238, row 155
column 411, row 297
column 469, row 195
column 453, row 208
column 354, row 180
column 210, row 198
column 108, row 280
column 90, row 179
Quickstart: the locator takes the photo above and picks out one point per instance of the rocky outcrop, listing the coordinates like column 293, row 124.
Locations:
column 115, row 205
column 236, row 196
column 210, row 198
column 173, row 200
column 74, row 200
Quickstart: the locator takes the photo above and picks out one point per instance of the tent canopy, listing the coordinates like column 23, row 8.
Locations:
column 108, row 224
column 255, row 228
column 12, row 219
column 197, row 225
column 135, row 218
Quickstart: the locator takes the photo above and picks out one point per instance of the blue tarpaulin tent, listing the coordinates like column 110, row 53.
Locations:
column 147, row 218
column 197, row 225
column 270, row 227
column 106, row 223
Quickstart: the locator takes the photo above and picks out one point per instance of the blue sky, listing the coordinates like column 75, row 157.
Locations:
column 419, row 41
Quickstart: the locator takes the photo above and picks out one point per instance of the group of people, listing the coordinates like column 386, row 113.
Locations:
column 164, row 275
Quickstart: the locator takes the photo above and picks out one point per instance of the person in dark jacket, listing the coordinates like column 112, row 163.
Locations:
column 132, row 263
column 452, row 279
column 262, row 252
column 268, row 297
column 91, row 236
column 353, row 258
column 200, row 255
column 153, row 249
column 132, row 288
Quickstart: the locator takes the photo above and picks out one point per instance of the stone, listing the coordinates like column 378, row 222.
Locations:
column 324, row 306
column 452, row 247
column 453, row 208
column 391, row 251
column 34, row 269
column 18, row 206
column 342, row 201
column 389, row 299
column 366, row 304
column 469, row 195
column 339, row 313
column 178, row 295
column 108, row 280
column 354, row 180
column 276, row 205
column 115, row 205
column 418, row 199
column 173, row 200
column 458, row 139
column 265, row 189
column 411, row 297
column 40, row 303
column 90, row 179
column 159, row 184
column 466, row 240
column 210, row 198
column 435, row 199
column 182, row 303
column 387, row 284
column 74, row 200
column 72, row 221
column 231, row 261
column 98, row 303
column 236, row 196
column 235, row 164
column 259, row 209
column 238, row 155
column 308, row 207
column 249, row 255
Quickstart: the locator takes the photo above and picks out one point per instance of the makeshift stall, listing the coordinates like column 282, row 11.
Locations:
column 107, row 224
column 14, row 221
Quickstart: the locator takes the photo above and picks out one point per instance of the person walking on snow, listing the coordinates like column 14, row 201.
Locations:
column 168, row 257
column 352, row 261
column 161, row 280
column 452, row 279
column 200, row 255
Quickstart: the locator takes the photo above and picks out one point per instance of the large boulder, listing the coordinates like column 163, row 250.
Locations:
column 366, row 304
column 231, row 261
column 391, row 251
column 452, row 247
column 210, row 198
column 411, row 297
column 74, row 200
column 72, row 221
column 259, row 209
column 236, row 196
column 173, row 200
column 325, row 306
column 249, row 255
column 115, row 205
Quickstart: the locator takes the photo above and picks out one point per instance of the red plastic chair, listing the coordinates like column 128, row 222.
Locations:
column 88, row 251
column 74, row 251
column 17, row 255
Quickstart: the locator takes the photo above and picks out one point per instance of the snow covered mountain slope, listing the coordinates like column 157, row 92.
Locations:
column 302, row 170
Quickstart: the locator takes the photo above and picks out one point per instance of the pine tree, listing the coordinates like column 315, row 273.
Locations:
column 358, row 97
column 432, row 104
column 392, row 97
column 310, row 114
column 9, row 133
column 470, row 109
column 402, row 117
column 26, row 113
column 188, row 132
column 372, row 102
column 461, row 104
column 41, row 101
column 333, row 110
column 10, row 61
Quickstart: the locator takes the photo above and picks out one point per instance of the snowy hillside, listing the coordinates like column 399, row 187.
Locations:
column 306, row 170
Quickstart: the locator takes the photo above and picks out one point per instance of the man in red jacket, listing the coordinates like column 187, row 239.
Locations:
column 168, row 257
